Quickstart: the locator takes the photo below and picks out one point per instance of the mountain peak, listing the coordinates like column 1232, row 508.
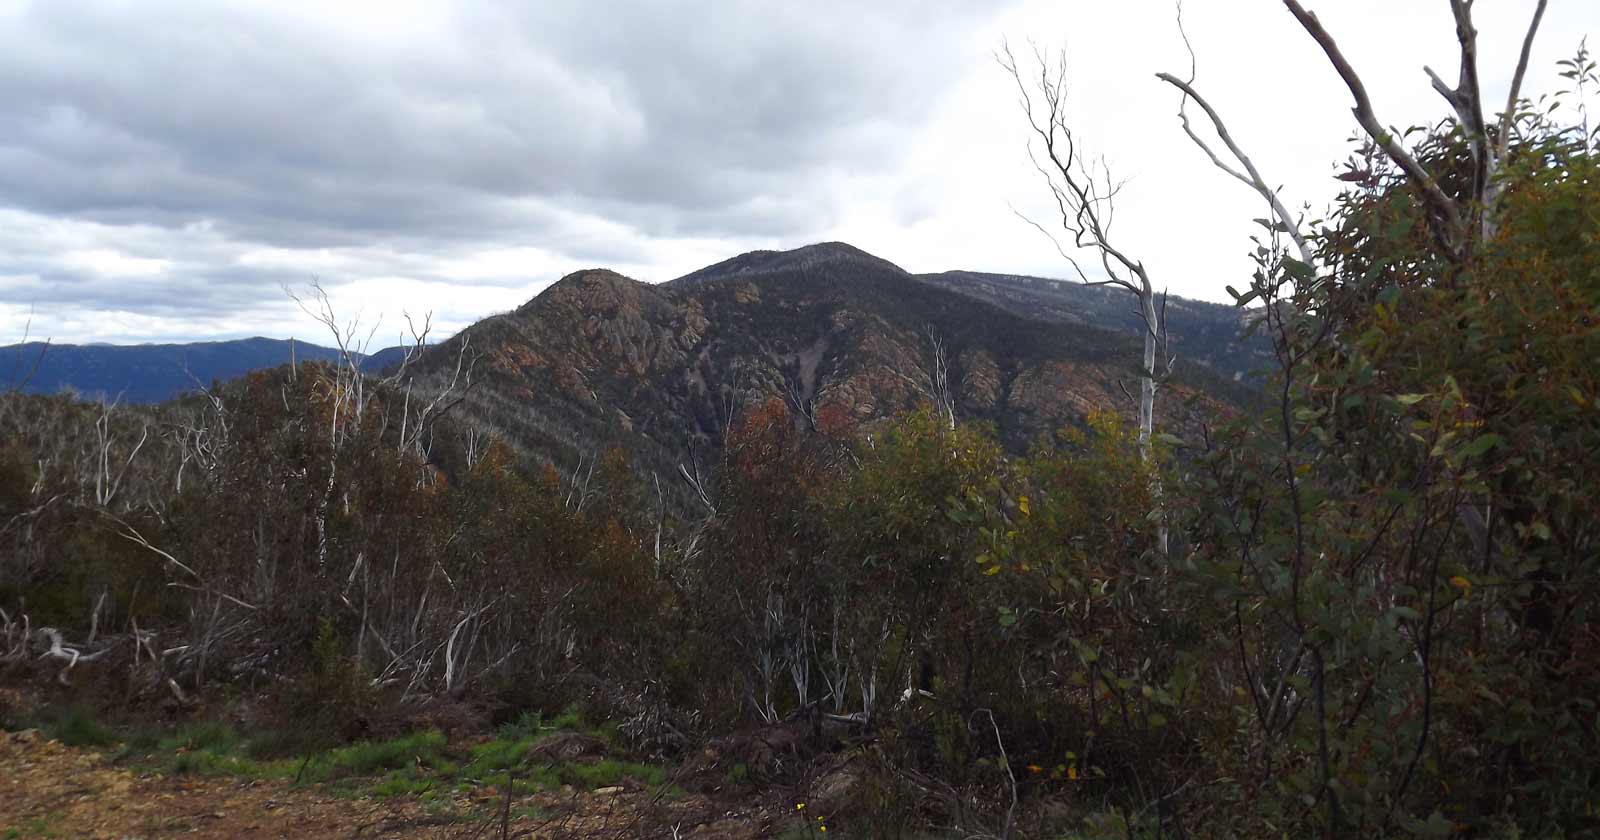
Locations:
column 807, row 257
column 593, row 276
column 828, row 251
column 584, row 284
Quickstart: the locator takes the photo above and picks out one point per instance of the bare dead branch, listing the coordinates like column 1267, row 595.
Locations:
column 1508, row 116
column 18, row 381
column 1011, row 778
column 1444, row 208
column 1251, row 177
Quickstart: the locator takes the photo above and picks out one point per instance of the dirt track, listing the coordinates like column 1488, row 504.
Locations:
column 51, row 791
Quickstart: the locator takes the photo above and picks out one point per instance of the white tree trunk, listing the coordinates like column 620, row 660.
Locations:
column 1147, row 404
column 1147, row 378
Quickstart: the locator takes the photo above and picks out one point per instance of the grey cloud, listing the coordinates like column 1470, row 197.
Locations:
column 681, row 118
column 195, row 133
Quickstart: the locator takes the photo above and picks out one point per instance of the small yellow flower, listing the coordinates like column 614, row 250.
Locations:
column 1462, row 584
column 799, row 806
column 1072, row 773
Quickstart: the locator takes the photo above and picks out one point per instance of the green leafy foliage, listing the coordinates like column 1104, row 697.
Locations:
column 1403, row 545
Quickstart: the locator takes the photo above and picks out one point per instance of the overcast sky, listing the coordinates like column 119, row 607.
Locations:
column 167, row 168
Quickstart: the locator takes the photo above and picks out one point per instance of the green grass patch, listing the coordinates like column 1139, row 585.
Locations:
column 402, row 783
column 210, row 735
column 206, row 748
column 211, row 763
column 77, row 727
column 607, row 772
column 497, row 755
column 37, row 828
column 369, row 757
column 421, row 764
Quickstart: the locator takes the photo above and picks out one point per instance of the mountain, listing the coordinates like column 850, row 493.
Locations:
column 149, row 373
column 599, row 358
column 1203, row 332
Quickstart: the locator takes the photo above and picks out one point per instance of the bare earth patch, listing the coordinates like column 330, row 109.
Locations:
column 48, row 790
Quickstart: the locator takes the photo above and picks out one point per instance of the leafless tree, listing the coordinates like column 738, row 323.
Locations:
column 200, row 435
column 416, row 422
column 348, row 396
column 452, row 634
column 108, row 474
column 732, row 395
column 802, row 404
column 934, row 382
column 22, row 370
column 939, row 376
column 1085, row 198
column 578, row 492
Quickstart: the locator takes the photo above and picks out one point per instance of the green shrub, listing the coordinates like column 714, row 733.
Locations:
column 78, row 727
column 372, row 756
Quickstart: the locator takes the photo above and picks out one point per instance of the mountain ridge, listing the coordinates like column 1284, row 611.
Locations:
column 600, row 358
column 156, row 372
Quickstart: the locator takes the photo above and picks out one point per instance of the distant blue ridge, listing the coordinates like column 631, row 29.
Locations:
column 152, row 373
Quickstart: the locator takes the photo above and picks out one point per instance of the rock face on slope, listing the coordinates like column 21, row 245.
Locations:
column 599, row 358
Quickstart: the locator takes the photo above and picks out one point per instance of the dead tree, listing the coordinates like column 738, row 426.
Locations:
column 416, row 421
column 200, row 436
column 411, row 640
column 107, row 474
column 1460, row 226
column 933, row 379
column 938, row 375
column 1085, row 196
column 21, row 372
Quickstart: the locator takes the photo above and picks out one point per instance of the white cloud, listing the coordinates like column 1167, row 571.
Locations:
column 111, row 264
column 166, row 168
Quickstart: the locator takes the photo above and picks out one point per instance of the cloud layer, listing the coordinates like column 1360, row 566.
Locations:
column 167, row 168
column 177, row 162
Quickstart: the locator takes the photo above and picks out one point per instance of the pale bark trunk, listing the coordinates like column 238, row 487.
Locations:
column 1147, row 403
column 1147, row 381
